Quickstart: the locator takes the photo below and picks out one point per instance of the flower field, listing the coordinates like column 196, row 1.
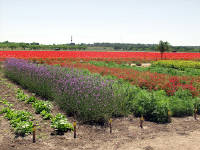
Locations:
column 95, row 86
column 90, row 54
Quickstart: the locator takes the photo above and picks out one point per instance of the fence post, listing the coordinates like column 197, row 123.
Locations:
column 195, row 114
column 110, row 124
column 141, row 121
column 169, row 116
column 34, row 130
column 74, row 124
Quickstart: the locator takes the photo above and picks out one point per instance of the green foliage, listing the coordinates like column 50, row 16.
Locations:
column 46, row 115
column 19, row 120
column 42, row 105
column 182, row 103
column 153, row 106
column 181, row 107
column 21, row 96
column 4, row 110
column 17, row 115
column 196, row 102
column 6, row 107
column 155, row 67
column 37, row 46
column 178, row 64
column 142, row 47
column 163, row 47
column 60, row 123
column 124, row 94
column 23, row 127
column 31, row 99
column 95, row 46
column 125, row 98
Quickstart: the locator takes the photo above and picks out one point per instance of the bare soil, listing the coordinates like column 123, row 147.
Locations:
column 181, row 134
column 142, row 65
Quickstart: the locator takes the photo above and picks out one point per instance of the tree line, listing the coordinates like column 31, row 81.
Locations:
column 144, row 47
column 115, row 46
column 37, row 46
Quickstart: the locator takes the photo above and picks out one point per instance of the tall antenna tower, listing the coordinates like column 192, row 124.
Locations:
column 72, row 41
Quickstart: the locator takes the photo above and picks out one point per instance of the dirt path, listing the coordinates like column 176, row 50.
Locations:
column 181, row 134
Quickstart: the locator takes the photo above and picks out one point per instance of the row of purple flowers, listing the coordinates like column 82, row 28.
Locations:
column 89, row 97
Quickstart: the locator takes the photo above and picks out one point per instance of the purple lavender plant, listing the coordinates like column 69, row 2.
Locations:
column 88, row 97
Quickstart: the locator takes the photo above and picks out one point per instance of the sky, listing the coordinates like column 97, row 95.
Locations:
column 90, row 21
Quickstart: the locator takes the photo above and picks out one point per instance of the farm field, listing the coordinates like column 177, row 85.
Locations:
column 93, row 87
column 91, row 54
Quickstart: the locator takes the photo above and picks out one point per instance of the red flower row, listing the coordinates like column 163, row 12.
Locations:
column 151, row 81
column 92, row 54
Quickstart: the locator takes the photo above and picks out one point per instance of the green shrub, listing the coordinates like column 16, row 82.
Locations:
column 124, row 93
column 60, row 123
column 46, row 115
column 178, row 64
column 42, row 105
column 153, row 106
column 31, row 99
column 16, row 116
column 196, row 102
column 23, row 127
column 21, row 96
column 182, row 103
column 20, row 121
column 181, row 107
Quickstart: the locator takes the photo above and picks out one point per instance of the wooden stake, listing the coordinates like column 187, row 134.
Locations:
column 34, row 129
column 195, row 114
column 169, row 116
column 110, row 124
column 74, row 124
column 141, row 121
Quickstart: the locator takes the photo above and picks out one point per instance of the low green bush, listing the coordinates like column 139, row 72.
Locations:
column 178, row 64
column 152, row 106
column 39, row 106
column 60, row 123
column 23, row 128
column 182, row 103
column 46, row 115
column 196, row 102
column 19, row 120
column 31, row 99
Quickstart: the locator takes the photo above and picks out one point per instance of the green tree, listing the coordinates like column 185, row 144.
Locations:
column 2, row 45
column 163, row 47
column 23, row 45
column 12, row 46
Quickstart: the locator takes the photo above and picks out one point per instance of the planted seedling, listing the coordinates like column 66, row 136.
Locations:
column 60, row 123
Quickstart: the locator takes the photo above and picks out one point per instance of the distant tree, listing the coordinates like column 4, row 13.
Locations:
column 163, row 47
column 12, row 46
column 34, row 47
column 23, row 45
column 2, row 45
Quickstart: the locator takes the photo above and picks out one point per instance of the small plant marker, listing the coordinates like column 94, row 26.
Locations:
column 110, row 124
column 141, row 121
column 195, row 114
column 74, row 124
column 34, row 129
column 169, row 116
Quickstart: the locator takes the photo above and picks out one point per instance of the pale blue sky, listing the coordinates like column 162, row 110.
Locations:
column 89, row 21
